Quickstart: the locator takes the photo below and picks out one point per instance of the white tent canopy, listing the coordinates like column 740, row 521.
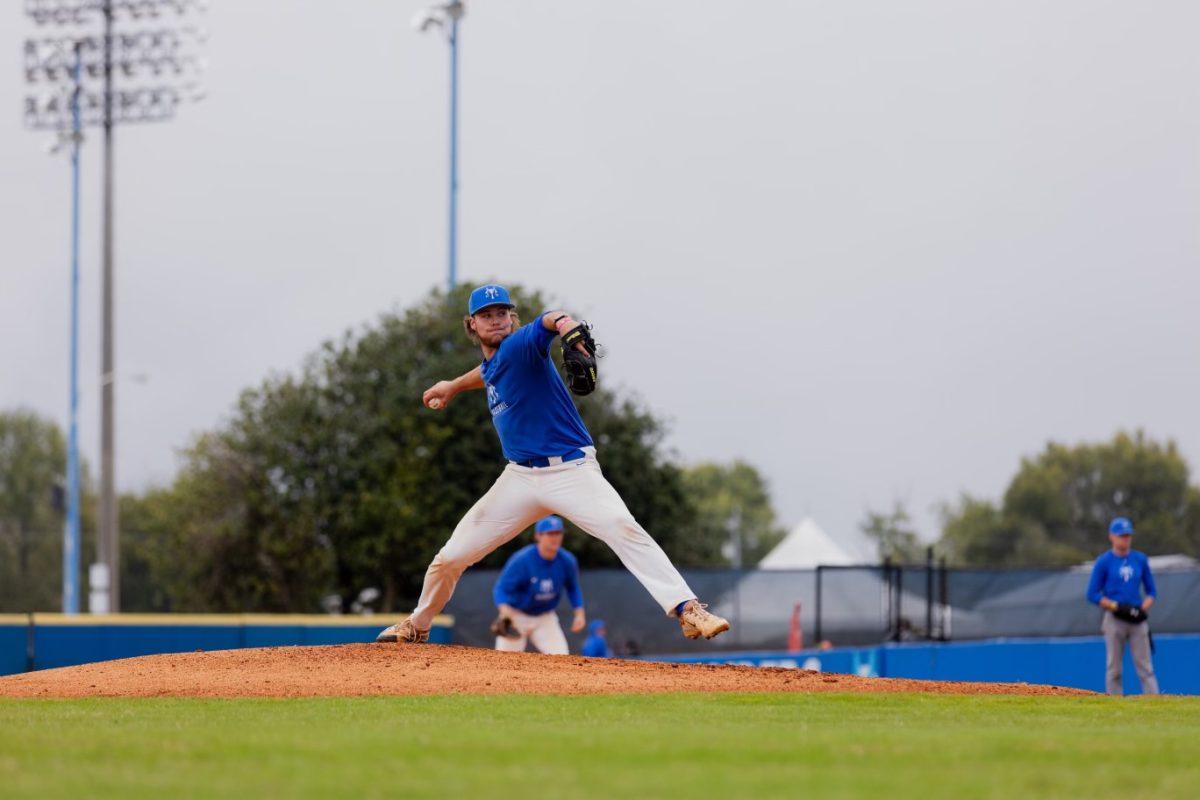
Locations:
column 806, row 547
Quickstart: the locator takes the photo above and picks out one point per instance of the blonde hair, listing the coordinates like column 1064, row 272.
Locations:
column 474, row 337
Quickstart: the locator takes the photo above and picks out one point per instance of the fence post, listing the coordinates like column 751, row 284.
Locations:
column 889, row 609
column 929, row 592
column 30, row 655
column 943, row 600
column 817, row 608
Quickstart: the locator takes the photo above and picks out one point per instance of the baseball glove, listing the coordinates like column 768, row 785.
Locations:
column 503, row 626
column 580, row 368
column 1128, row 613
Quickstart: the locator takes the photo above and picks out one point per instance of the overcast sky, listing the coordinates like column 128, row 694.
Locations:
column 880, row 250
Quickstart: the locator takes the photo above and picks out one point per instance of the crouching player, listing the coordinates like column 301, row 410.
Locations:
column 529, row 589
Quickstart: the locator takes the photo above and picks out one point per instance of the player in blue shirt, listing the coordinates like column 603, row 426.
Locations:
column 552, row 468
column 1116, row 586
column 596, row 645
column 529, row 589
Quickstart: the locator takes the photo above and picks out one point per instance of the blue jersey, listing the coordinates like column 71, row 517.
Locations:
column 530, row 405
column 531, row 584
column 595, row 645
column 1121, row 578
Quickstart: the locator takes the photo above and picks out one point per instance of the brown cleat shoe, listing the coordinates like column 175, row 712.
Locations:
column 403, row 633
column 696, row 621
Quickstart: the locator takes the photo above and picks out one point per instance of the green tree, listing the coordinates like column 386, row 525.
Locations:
column 33, row 462
column 1057, row 507
column 157, row 570
column 337, row 478
column 732, row 505
column 893, row 535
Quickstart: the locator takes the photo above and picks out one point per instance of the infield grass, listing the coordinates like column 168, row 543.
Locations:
column 689, row 746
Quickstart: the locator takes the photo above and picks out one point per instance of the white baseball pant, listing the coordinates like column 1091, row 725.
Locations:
column 543, row 630
column 576, row 490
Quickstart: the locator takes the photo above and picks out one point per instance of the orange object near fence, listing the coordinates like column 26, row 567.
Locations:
column 795, row 632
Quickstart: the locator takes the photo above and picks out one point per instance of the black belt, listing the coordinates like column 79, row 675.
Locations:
column 545, row 461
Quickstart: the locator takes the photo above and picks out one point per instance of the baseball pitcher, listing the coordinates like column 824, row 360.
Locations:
column 552, row 466
column 529, row 589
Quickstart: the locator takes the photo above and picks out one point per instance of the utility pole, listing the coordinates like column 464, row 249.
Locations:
column 110, row 546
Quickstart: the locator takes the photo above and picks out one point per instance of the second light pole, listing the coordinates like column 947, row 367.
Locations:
column 446, row 16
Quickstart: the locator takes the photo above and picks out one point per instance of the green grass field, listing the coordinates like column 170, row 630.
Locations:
column 693, row 746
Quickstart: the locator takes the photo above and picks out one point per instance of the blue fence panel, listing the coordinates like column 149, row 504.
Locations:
column 60, row 641
column 851, row 661
column 68, row 645
column 1176, row 663
column 1060, row 662
column 274, row 635
column 13, row 640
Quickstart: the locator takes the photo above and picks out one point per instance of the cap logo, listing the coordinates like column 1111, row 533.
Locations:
column 490, row 292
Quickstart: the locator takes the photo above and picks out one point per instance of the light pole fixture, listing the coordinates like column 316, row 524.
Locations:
column 446, row 17
column 73, row 71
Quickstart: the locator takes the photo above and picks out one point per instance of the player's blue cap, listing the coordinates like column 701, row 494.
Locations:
column 548, row 524
column 1120, row 526
column 490, row 295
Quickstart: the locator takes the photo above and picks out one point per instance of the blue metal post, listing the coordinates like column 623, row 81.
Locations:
column 452, row 250
column 71, row 535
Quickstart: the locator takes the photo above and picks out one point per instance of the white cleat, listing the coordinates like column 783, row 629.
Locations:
column 696, row 621
column 403, row 633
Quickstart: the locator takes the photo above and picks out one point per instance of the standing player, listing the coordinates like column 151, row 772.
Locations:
column 1116, row 586
column 552, row 466
column 529, row 589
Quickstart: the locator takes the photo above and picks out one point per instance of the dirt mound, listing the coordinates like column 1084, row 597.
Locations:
column 378, row 669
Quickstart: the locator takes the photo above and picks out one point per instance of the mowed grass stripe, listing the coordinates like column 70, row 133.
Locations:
column 694, row 746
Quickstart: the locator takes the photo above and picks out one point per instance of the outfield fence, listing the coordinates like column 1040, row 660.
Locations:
column 845, row 606
column 46, row 641
column 1068, row 661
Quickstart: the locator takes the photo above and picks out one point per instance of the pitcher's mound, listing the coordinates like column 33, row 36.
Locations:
column 379, row 669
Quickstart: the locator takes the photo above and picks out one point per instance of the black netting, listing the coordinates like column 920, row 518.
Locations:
column 857, row 605
column 762, row 602
column 986, row 603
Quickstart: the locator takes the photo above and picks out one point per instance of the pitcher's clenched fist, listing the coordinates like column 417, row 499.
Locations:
column 441, row 393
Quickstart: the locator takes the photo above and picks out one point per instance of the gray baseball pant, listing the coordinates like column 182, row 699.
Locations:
column 1116, row 633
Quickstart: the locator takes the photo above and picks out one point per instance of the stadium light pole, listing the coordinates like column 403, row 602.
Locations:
column 142, row 57
column 446, row 16
column 71, row 539
column 55, row 57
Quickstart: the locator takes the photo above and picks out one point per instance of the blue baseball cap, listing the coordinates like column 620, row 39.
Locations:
column 1120, row 526
column 490, row 295
column 548, row 524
